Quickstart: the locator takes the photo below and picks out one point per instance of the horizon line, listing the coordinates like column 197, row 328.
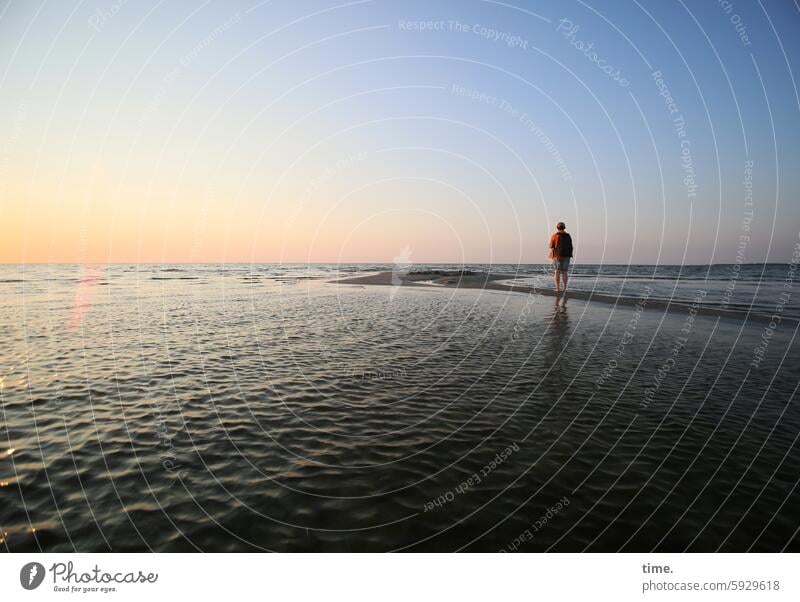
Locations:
column 38, row 263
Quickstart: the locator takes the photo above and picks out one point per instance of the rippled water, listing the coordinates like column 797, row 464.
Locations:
column 254, row 408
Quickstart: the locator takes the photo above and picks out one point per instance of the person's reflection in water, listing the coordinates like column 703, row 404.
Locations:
column 560, row 320
column 554, row 345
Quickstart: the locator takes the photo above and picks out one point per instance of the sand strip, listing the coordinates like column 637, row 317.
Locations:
column 489, row 281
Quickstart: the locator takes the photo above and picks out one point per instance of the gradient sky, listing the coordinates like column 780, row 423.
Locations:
column 318, row 131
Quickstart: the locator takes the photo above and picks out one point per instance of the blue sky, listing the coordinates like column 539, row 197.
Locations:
column 336, row 131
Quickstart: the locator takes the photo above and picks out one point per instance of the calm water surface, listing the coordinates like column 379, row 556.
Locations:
column 226, row 408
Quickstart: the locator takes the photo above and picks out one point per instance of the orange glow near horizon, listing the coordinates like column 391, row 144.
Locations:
column 86, row 218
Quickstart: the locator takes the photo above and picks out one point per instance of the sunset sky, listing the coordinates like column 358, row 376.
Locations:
column 322, row 131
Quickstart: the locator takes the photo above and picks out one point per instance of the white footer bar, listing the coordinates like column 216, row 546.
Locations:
column 401, row 577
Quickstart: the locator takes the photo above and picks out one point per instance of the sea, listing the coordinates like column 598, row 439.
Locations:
column 268, row 407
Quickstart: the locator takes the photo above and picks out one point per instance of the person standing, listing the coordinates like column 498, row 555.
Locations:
column 560, row 254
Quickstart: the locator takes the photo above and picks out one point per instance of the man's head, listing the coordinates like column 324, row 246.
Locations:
column 560, row 226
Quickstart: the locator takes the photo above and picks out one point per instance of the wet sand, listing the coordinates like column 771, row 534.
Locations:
column 494, row 281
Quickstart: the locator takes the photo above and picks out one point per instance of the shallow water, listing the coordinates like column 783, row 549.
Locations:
column 229, row 408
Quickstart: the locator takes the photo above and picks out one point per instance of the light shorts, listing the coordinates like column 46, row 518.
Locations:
column 561, row 264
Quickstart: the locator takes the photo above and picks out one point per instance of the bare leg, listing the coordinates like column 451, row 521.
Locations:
column 558, row 284
column 563, row 290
